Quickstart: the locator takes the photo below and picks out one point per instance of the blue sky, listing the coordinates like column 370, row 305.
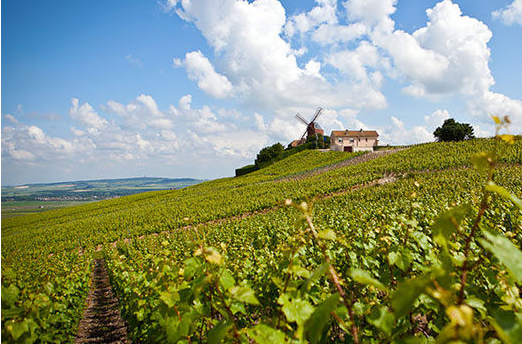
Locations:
column 195, row 88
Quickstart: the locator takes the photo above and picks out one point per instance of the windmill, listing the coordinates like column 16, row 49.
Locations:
column 312, row 127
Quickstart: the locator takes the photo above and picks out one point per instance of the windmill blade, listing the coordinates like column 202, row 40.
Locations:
column 299, row 117
column 302, row 137
column 317, row 113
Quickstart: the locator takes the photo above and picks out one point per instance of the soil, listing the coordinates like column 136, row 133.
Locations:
column 102, row 322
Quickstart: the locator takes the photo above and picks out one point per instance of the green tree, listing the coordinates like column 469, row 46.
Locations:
column 453, row 131
column 268, row 154
column 321, row 142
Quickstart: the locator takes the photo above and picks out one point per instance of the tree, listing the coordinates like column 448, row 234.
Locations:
column 269, row 153
column 321, row 142
column 453, row 131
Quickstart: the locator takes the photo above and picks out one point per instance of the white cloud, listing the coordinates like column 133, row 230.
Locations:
column 324, row 12
column 355, row 63
column 201, row 70
column 185, row 101
column 30, row 143
column 449, row 56
column 86, row 115
column 17, row 154
column 11, row 119
column 260, row 122
column 328, row 34
column 243, row 143
column 369, row 12
column 496, row 104
column 397, row 134
column 436, row 119
column 511, row 14
column 261, row 65
column 77, row 132
column 150, row 104
column 141, row 113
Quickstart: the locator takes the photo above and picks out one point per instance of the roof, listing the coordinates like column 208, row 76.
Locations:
column 294, row 143
column 355, row 133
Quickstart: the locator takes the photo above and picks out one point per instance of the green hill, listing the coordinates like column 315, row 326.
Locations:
column 93, row 188
column 403, row 247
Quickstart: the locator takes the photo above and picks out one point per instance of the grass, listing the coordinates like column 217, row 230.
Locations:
column 19, row 208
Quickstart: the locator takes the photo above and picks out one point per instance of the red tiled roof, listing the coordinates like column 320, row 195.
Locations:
column 355, row 133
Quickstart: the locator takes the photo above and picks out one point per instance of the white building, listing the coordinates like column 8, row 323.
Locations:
column 353, row 141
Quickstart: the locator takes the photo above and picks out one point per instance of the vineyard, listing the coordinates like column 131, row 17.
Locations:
column 421, row 245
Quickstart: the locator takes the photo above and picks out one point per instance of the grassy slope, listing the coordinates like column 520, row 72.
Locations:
column 106, row 221
column 28, row 241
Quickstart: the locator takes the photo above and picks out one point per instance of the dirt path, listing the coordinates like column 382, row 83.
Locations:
column 101, row 322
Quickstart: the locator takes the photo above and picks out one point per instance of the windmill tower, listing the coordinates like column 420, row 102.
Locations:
column 312, row 127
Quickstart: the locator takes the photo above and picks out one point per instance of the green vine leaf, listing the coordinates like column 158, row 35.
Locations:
column 508, row 326
column 364, row 277
column 244, row 294
column 218, row 333
column 492, row 187
column 403, row 298
column 506, row 252
column 317, row 322
column 295, row 310
column 383, row 319
column 264, row 334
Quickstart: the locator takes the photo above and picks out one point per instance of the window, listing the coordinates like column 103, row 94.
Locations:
column 366, row 139
column 340, row 140
column 351, row 140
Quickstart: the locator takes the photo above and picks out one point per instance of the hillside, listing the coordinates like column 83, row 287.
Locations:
column 399, row 247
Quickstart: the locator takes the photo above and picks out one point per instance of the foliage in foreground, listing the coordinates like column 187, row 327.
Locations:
column 397, row 273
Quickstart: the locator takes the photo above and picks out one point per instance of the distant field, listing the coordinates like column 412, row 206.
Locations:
column 17, row 208
column 36, row 198
column 91, row 189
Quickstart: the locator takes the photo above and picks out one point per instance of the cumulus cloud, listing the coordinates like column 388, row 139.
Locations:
column 140, row 114
column 30, row 143
column 511, row 14
column 201, row 70
column 328, row 34
column 370, row 12
column 260, row 64
column 497, row 104
column 357, row 63
column 86, row 115
column 449, row 56
column 323, row 13
column 437, row 118
column 141, row 132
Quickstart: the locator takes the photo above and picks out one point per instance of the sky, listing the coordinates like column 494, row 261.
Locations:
column 195, row 88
